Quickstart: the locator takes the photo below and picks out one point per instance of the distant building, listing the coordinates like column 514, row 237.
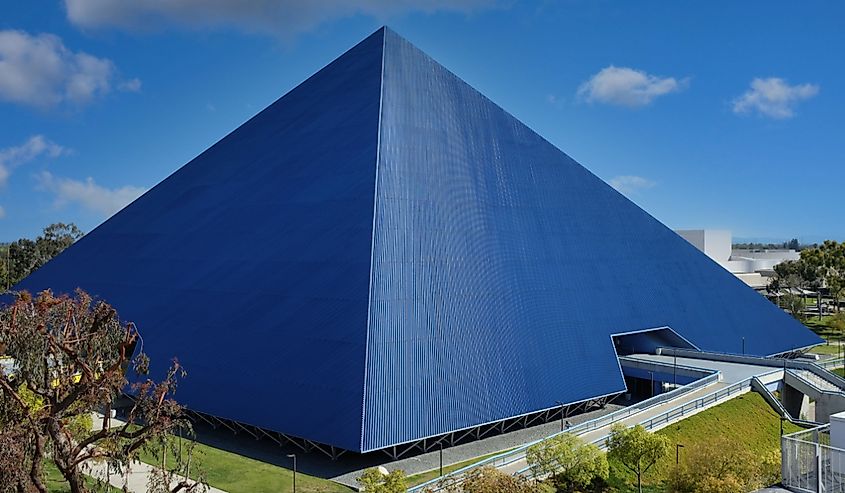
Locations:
column 753, row 267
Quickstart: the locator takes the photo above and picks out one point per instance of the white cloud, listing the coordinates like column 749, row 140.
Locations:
column 38, row 70
column 773, row 97
column 35, row 147
column 629, row 87
column 280, row 17
column 131, row 85
column 2, row 212
column 630, row 184
column 88, row 194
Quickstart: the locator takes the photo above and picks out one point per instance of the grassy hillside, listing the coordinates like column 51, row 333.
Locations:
column 747, row 421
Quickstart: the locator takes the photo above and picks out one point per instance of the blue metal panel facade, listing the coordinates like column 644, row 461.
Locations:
column 501, row 267
column 384, row 255
column 251, row 263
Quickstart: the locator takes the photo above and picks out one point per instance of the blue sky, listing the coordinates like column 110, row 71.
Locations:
column 708, row 114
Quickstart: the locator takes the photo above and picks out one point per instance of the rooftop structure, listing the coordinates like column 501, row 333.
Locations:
column 753, row 267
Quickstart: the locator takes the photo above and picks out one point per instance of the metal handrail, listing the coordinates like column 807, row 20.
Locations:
column 839, row 392
column 518, row 453
column 829, row 364
column 669, row 415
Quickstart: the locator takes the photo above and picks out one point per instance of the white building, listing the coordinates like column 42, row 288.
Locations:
column 754, row 267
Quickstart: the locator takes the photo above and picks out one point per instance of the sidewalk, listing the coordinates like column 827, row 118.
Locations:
column 135, row 480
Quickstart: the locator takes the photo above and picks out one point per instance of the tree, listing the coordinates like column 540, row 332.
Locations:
column 54, row 240
column 24, row 256
column 488, row 479
column 794, row 304
column 66, row 357
column 374, row 480
column 788, row 274
column 569, row 461
column 807, row 272
column 21, row 260
column 636, row 449
column 833, row 263
column 718, row 466
column 837, row 323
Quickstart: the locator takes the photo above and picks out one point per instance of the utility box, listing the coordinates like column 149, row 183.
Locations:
column 837, row 442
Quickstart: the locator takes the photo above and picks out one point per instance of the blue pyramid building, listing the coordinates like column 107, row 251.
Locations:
column 384, row 255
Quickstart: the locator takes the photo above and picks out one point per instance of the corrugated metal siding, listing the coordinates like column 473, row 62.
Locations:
column 502, row 266
column 251, row 263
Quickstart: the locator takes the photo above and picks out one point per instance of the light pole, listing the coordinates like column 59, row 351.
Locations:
column 562, row 417
column 651, row 391
column 675, row 370
column 743, row 346
column 678, row 448
column 293, row 456
column 441, row 459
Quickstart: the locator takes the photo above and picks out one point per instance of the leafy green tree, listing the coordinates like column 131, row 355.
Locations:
column 488, row 479
column 54, row 240
column 373, row 480
column 833, row 261
column 788, row 275
column 636, row 449
column 715, row 466
column 794, row 304
column 569, row 461
column 20, row 258
column 837, row 323
column 64, row 359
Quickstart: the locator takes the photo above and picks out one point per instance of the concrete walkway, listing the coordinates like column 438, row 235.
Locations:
column 731, row 372
column 136, row 479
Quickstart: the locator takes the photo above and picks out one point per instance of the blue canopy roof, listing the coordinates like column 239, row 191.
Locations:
column 383, row 255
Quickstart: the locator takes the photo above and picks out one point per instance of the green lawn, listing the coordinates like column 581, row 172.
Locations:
column 826, row 349
column 56, row 483
column 747, row 421
column 821, row 327
column 238, row 474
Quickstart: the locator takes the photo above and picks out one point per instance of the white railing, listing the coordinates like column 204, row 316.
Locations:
column 677, row 413
column 810, row 464
column 831, row 364
column 518, row 454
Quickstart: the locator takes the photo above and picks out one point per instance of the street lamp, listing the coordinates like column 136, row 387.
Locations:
column 678, row 448
column 674, row 370
column 293, row 456
column 743, row 346
column 562, row 417
column 441, row 459
column 651, row 391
